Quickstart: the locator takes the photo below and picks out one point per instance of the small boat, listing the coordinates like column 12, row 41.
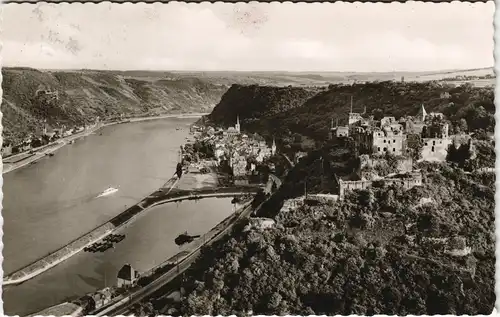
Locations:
column 185, row 238
column 108, row 191
column 235, row 200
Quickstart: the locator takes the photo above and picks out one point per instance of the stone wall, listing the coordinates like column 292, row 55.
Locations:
column 435, row 149
column 411, row 180
column 346, row 186
column 394, row 144
column 406, row 183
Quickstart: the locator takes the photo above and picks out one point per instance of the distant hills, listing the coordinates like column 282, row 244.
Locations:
column 31, row 96
column 76, row 97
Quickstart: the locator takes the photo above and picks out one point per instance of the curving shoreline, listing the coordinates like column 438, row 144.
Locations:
column 55, row 146
column 116, row 223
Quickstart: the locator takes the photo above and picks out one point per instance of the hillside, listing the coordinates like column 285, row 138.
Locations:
column 257, row 102
column 309, row 112
column 84, row 95
column 381, row 251
column 428, row 250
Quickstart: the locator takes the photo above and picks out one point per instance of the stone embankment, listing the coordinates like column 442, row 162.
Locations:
column 123, row 219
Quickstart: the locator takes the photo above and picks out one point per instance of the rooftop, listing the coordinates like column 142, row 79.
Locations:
column 125, row 272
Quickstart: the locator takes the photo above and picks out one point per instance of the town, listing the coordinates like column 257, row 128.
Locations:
column 235, row 157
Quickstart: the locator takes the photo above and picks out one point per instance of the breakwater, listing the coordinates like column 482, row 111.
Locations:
column 123, row 219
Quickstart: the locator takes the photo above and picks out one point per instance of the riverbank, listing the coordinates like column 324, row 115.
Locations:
column 162, row 196
column 41, row 152
column 63, row 309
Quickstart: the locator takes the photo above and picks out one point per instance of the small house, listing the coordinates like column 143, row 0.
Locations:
column 127, row 276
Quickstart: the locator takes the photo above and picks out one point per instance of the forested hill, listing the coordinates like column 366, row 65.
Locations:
column 286, row 111
column 31, row 96
column 254, row 102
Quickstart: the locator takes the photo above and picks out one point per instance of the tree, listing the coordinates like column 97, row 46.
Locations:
column 378, row 114
column 463, row 125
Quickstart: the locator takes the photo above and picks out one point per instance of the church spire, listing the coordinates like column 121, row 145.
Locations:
column 237, row 125
column 422, row 114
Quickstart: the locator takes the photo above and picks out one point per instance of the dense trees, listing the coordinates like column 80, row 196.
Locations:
column 380, row 251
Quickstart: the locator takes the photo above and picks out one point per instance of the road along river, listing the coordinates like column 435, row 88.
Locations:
column 55, row 201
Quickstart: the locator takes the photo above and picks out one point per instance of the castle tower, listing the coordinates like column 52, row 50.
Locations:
column 237, row 125
column 353, row 116
column 332, row 130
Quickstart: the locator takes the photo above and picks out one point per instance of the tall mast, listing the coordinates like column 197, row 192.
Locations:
column 351, row 104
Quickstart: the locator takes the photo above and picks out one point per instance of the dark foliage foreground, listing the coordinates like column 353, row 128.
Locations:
column 382, row 251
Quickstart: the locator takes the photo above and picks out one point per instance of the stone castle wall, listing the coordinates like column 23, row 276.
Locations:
column 415, row 179
column 435, row 149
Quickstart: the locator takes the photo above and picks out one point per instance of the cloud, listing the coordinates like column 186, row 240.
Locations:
column 256, row 36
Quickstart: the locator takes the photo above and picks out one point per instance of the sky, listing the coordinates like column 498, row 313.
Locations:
column 361, row 37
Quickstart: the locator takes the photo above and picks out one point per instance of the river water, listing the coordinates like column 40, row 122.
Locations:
column 48, row 204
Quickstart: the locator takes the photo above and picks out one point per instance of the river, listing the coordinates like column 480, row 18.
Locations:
column 48, row 204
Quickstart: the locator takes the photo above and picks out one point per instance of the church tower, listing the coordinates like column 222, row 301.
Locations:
column 237, row 125
column 273, row 147
column 422, row 114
